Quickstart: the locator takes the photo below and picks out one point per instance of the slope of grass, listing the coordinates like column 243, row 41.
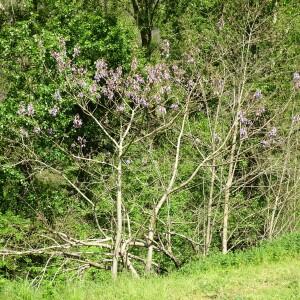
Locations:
column 271, row 271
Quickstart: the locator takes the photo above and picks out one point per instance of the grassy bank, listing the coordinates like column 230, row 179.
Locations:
column 271, row 271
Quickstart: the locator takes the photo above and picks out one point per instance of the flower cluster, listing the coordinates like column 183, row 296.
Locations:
column 77, row 122
column 26, row 111
column 257, row 95
column 165, row 47
column 296, row 80
column 296, row 118
column 54, row 111
column 243, row 133
column 273, row 132
column 101, row 70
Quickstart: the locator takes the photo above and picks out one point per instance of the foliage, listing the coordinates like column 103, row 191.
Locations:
column 116, row 157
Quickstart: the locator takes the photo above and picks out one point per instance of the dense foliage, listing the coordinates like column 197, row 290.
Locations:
column 136, row 136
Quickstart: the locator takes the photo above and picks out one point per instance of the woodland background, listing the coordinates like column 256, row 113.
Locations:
column 139, row 135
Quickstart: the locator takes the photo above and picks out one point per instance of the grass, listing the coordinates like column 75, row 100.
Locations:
column 271, row 271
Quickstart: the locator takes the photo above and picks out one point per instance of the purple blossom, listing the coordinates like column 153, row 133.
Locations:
column 157, row 98
column 158, row 73
column 257, row 95
column 77, row 122
column 296, row 119
column 296, row 76
column 54, row 111
column 59, row 60
column 243, row 119
column 57, row 95
column 120, row 108
column 22, row 110
column 161, row 110
column 265, row 143
column 128, row 161
column 93, row 88
column 143, row 102
column 174, row 106
column 81, row 141
column 30, row 110
column 296, row 80
column 165, row 47
column 50, row 131
column 243, row 133
column 108, row 93
column 273, row 132
column 101, row 69
column 80, row 95
column 138, row 78
column 297, row 84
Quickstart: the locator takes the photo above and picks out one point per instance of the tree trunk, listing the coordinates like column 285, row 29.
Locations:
column 146, row 37
column 209, row 211
column 119, row 228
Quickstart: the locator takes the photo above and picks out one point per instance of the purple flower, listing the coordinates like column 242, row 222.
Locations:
column 296, row 119
column 161, row 110
column 265, row 143
column 143, row 102
column 257, row 95
column 243, row 133
column 30, row 110
column 81, row 95
column 81, row 141
column 22, row 110
column 54, row 111
column 128, row 161
column 165, row 47
column 174, row 106
column 50, row 131
column 296, row 80
column 93, row 88
column 108, row 93
column 273, row 132
column 101, row 69
column 296, row 76
column 120, row 108
column 57, row 95
column 243, row 119
column 77, row 122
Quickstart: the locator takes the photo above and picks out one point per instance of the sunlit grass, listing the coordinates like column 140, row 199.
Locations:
column 271, row 271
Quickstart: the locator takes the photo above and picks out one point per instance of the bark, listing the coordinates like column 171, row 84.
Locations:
column 119, row 228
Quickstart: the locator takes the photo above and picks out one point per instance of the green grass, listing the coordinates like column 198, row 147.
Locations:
column 271, row 271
